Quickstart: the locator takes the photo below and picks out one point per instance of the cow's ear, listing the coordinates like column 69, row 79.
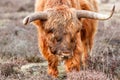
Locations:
column 35, row 16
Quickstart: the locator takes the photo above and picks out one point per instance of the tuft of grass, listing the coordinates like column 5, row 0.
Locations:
column 8, row 69
column 88, row 75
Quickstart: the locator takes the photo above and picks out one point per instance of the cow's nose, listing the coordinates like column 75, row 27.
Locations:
column 66, row 55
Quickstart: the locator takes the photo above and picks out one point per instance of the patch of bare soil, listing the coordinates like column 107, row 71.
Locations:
column 19, row 54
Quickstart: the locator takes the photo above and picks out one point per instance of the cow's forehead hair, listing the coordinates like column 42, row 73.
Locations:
column 64, row 10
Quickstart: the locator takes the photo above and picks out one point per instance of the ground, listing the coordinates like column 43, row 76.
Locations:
column 20, row 58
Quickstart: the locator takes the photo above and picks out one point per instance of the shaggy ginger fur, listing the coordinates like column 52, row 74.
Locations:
column 63, row 36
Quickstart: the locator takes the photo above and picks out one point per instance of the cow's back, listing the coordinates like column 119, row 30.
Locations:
column 40, row 5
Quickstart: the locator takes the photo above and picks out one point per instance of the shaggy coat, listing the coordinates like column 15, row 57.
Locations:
column 63, row 36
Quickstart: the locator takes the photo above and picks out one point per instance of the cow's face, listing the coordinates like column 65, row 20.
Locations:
column 61, row 28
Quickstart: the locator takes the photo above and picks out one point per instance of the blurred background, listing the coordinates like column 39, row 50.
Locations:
column 19, row 42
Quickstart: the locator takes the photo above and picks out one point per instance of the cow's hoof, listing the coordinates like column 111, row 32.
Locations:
column 53, row 73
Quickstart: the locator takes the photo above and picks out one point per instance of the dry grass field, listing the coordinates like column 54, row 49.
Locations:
column 20, row 58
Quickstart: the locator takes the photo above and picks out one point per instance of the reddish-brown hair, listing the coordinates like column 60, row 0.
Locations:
column 64, row 33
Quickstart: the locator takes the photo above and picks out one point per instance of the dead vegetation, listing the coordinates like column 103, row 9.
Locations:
column 18, row 47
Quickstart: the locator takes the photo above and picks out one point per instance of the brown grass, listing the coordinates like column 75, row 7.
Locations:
column 18, row 41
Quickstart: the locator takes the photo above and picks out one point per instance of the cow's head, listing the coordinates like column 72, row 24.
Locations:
column 62, row 23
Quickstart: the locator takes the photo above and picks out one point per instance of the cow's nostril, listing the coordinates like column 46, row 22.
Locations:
column 65, row 57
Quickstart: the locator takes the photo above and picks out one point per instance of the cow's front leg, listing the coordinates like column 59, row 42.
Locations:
column 51, row 58
column 52, row 66
column 84, row 57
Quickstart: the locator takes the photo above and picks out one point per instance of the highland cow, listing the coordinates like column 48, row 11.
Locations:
column 66, row 31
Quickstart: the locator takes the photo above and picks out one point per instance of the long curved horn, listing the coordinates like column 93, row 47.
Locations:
column 94, row 15
column 35, row 16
